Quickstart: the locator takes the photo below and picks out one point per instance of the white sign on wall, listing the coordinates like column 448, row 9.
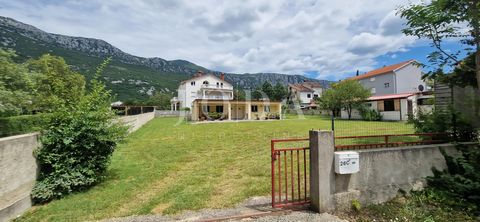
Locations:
column 347, row 162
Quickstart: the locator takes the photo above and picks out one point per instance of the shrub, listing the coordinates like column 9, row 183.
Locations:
column 442, row 122
column 215, row 115
column 76, row 145
column 273, row 116
column 461, row 179
column 16, row 125
column 369, row 114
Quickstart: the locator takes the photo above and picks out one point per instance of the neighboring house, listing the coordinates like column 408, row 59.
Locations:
column 205, row 94
column 404, row 77
column 303, row 95
column 397, row 91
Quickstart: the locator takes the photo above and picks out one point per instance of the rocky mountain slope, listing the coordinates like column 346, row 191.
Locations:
column 130, row 77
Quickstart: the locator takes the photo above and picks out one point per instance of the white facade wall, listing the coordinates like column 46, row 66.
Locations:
column 304, row 98
column 408, row 78
column 187, row 92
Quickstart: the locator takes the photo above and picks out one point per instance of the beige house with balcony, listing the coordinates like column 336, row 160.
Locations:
column 209, row 97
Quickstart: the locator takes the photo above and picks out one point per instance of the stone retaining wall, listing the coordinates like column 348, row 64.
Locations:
column 18, row 172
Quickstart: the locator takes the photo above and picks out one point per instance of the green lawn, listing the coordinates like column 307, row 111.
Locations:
column 166, row 168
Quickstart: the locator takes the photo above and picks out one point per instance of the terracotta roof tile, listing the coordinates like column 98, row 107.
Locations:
column 382, row 70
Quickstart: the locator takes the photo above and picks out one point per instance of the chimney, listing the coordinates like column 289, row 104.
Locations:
column 222, row 76
column 357, row 72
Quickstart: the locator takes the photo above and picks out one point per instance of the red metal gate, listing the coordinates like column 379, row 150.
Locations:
column 290, row 173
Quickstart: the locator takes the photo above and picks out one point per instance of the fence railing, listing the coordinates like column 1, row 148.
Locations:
column 389, row 140
column 290, row 173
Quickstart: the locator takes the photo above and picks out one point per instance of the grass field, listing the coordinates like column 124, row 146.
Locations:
column 165, row 168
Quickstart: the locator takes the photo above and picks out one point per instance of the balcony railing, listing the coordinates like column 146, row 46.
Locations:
column 226, row 97
column 214, row 86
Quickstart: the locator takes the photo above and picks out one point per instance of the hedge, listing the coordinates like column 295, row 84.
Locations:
column 15, row 125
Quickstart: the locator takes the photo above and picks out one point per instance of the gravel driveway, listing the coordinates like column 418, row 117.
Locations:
column 254, row 209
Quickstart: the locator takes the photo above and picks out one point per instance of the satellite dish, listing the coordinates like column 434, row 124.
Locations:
column 420, row 88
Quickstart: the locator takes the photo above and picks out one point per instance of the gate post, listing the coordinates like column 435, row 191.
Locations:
column 322, row 170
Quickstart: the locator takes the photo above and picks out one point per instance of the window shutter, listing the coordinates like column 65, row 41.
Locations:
column 397, row 105
column 380, row 105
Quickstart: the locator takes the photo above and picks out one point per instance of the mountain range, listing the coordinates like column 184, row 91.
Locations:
column 129, row 77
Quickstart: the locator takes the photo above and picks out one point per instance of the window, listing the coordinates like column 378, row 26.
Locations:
column 219, row 109
column 315, row 95
column 192, row 83
column 373, row 90
column 221, row 84
column 309, row 95
column 372, row 79
column 218, row 84
column 387, row 85
column 266, row 109
column 255, row 108
column 389, row 105
column 205, row 82
column 205, row 109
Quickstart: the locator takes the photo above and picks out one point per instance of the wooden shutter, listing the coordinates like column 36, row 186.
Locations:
column 397, row 104
column 380, row 106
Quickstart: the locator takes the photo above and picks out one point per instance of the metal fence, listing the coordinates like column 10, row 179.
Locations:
column 290, row 172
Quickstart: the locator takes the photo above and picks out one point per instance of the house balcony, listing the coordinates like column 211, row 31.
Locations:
column 215, row 94
column 214, row 86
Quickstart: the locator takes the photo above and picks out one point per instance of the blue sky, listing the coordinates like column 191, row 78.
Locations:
column 321, row 39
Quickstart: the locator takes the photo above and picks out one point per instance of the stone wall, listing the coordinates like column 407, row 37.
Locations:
column 137, row 121
column 384, row 172
column 18, row 172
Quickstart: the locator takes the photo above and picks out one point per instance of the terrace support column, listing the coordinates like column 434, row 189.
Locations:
column 249, row 111
column 280, row 110
column 229, row 107
column 322, row 170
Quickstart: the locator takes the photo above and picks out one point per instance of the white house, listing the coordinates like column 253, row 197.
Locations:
column 303, row 95
column 397, row 91
column 211, row 98
column 201, row 86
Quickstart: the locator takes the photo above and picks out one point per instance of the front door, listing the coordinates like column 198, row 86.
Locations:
column 238, row 112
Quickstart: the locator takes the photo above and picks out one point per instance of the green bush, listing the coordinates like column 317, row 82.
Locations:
column 461, row 179
column 76, row 145
column 273, row 116
column 16, row 125
column 215, row 115
column 369, row 114
column 442, row 122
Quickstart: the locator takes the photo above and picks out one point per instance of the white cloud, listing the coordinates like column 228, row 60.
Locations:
column 330, row 37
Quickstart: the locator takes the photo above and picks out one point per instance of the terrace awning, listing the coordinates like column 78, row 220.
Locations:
column 390, row 96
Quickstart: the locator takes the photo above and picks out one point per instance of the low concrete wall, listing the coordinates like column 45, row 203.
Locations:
column 168, row 113
column 384, row 172
column 137, row 121
column 18, row 172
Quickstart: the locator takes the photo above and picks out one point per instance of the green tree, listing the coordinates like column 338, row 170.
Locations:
column 257, row 93
column 239, row 94
column 346, row 95
column 55, row 84
column 160, row 100
column 267, row 88
column 440, row 20
column 15, row 85
column 77, row 144
column 279, row 92
column 329, row 100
